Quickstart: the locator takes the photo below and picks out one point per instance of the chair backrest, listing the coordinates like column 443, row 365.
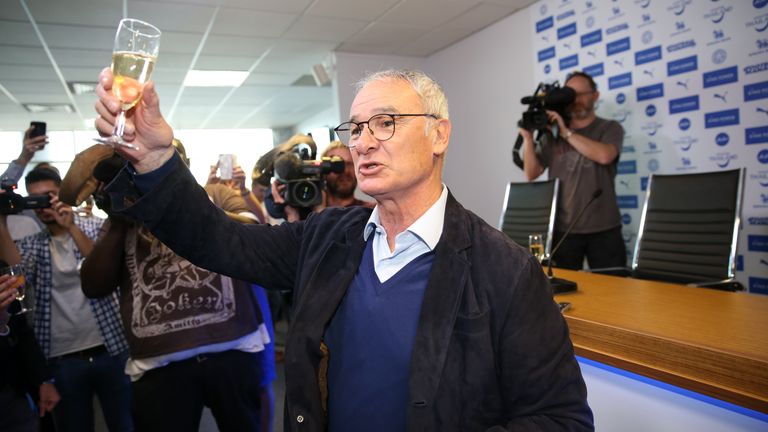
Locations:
column 530, row 208
column 689, row 227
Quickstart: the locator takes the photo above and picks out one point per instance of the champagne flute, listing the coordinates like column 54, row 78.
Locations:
column 536, row 245
column 20, row 286
column 137, row 44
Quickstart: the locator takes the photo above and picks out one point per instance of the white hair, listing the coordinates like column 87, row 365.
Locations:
column 431, row 94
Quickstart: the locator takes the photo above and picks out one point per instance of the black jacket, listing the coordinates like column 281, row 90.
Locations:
column 491, row 352
column 22, row 364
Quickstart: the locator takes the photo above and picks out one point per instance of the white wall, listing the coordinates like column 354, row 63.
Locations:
column 484, row 77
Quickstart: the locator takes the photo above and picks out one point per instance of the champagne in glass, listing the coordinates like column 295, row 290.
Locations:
column 17, row 270
column 137, row 44
column 536, row 245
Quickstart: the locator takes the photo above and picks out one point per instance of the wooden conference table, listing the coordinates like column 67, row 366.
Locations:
column 707, row 341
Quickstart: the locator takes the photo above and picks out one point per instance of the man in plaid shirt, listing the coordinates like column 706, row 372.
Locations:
column 83, row 339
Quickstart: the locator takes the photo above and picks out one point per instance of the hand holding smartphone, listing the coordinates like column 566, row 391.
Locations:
column 226, row 166
column 38, row 129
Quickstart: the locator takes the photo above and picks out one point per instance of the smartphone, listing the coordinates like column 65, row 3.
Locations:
column 564, row 306
column 39, row 128
column 226, row 164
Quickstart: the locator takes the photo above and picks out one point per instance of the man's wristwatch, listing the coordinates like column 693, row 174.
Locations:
column 568, row 134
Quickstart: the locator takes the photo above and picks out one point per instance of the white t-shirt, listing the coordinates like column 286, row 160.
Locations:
column 73, row 325
column 21, row 226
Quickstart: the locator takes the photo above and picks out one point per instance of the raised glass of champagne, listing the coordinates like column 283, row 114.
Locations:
column 17, row 270
column 137, row 44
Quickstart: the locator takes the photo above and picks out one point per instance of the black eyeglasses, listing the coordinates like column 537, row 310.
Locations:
column 381, row 126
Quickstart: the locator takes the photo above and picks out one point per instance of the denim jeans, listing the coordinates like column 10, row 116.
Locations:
column 78, row 378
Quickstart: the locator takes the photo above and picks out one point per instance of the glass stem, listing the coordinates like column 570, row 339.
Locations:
column 119, row 124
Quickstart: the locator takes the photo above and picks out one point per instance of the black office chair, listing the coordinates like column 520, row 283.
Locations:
column 689, row 229
column 530, row 208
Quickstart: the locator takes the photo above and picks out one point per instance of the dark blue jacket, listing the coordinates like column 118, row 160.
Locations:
column 492, row 351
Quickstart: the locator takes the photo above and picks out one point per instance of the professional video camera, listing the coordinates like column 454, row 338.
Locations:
column 546, row 97
column 292, row 163
column 12, row 203
column 303, row 176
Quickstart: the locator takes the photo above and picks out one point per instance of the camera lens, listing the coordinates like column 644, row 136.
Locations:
column 305, row 193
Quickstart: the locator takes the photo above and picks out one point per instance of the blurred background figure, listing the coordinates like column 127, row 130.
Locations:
column 340, row 187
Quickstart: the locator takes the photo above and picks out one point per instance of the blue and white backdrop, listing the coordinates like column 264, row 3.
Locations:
column 688, row 80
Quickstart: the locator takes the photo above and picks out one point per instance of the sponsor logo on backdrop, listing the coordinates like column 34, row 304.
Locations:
column 627, row 201
column 617, row 46
column 626, row 219
column 591, row 38
column 619, row 62
column 621, row 98
column 739, row 262
column 683, row 65
column 680, row 28
column 677, row 46
column 685, row 143
column 647, row 20
column 595, row 70
column 644, row 183
column 627, row 167
column 569, row 62
column 678, row 7
column 758, row 220
column 616, row 12
column 650, row 92
column 685, row 104
column 759, row 23
column 643, row 3
column 651, row 128
column 543, row 9
column 589, row 5
column 627, row 148
column 682, row 83
column 758, row 285
column 650, row 110
column 762, row 110
column 721, row 76
column 547, row 68
column 719, row 56
column 546, row 54
column 653, row 165
column 721, row 118
column 722, row 139
column 648, row 72
column 762, row 157
column 756, row 135
column 653, row 148
column 617, row 28
column 723, row 159
column 686, row 164
column 618, row 81
column 759, row 4
column 757, row 243
column 590, row 22
column 566, row 31
column 721, row 96
column 718, row 37
column 684, row 124
column 566, row 14
column 564, row 3
column 756, row 91
column 718, row 14
column 761, row 47
column 648, row 55
column 647, row 37
column 621, row 115
column 545, row 24
column 628, row 241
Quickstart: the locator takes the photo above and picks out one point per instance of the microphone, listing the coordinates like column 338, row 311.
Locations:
column 558, row 285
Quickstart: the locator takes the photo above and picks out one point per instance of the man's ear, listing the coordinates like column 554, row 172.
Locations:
column 442, row 131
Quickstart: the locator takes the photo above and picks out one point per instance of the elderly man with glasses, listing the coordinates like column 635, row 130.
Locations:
column 414, row 315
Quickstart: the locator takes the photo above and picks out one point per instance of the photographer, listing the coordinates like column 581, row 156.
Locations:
column 340, row 187
column 583, row 155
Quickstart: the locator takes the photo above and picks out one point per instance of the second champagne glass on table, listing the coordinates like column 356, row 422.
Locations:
column 536, row 245
column 137, row 44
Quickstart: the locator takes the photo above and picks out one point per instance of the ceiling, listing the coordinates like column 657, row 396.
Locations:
column 46, row 43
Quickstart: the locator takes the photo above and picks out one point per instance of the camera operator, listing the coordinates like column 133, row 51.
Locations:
column 340, row 187
column 583, row 155
column 22, row 225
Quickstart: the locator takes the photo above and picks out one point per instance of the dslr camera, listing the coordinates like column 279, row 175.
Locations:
column 13, row 203
column 546, row 97
column 303, row 176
